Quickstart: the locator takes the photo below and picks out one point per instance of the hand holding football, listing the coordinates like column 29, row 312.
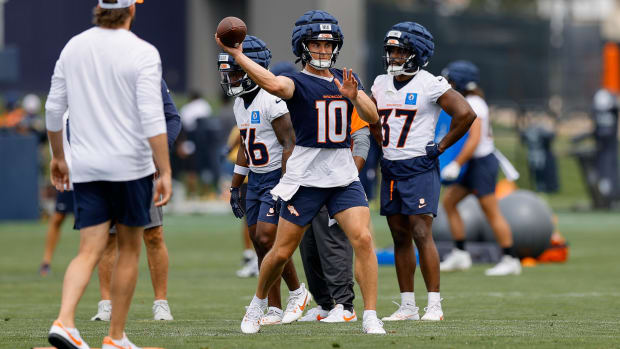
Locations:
column 231, row 31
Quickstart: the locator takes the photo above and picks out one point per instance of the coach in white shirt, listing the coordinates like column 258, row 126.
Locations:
column 110, row 81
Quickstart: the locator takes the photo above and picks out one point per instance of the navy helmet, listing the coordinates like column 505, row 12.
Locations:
column 464, row 75
column 233, row 79
column 283, row 67
column 412, row 37
column 316, row 25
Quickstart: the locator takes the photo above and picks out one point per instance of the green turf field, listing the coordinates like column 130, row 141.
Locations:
column 572, row 305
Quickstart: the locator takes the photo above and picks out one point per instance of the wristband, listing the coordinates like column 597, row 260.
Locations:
column 241, row 170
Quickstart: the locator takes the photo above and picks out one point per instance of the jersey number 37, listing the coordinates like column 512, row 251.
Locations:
column 385, row 114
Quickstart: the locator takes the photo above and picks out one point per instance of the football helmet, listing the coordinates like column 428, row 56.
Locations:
column 413, row 38
column 233, row 79
column 320, row 26
column 464, row 75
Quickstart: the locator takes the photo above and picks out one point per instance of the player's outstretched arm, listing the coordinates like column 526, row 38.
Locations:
column 463, row 116
column 283, row 128
column 366, row 109
column 280, row 86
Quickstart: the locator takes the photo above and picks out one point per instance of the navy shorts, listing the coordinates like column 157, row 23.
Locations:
column 126, row 202
column 307, row 202
column 64, row 202
column 259, row 204
column 416, row 195
column 481, row 175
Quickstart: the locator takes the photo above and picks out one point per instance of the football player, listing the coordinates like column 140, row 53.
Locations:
column 321, row 170
column 267, row 139
column 409, row 100
column 479, row 178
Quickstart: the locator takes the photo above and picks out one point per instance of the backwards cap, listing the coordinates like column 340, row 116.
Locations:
column 118, row 4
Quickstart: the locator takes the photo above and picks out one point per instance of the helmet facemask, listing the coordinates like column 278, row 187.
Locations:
column 399, row 65
column 235, row 82
column 321, row 63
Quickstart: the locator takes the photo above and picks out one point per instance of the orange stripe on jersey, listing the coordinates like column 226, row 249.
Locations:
column 357, row 122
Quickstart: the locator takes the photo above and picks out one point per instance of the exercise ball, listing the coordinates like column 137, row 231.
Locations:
column 472, row 217
column 530, row 220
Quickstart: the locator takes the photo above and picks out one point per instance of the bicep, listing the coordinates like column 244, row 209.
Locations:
column 286, row 87
column 454, row 104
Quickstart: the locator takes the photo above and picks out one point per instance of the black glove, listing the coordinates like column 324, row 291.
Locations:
column 235, row 202
column 432, row 150
column 277, row 207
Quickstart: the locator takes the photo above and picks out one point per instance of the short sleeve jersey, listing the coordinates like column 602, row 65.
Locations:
column 408, row 115
column 485, row 145
column 262, row 149
column 321, row 116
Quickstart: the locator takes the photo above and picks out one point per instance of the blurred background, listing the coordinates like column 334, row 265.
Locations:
column 542, row 62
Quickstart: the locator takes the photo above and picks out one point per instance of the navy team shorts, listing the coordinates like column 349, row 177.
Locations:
column 481, row 175
column 307, row 202
column 125, row 202
column 259, row 204
column 64, row 202
column 418, row 194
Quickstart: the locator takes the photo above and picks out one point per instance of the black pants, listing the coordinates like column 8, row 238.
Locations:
column 327, row 256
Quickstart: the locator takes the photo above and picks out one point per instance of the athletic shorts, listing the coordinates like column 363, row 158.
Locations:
column 307, row 202
column 156, row 214
column 259, row 204
column 481, row 175
column 125, row 202
column 416, row 195
column 64, row 202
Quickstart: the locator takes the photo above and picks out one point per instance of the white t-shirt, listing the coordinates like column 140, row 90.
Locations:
column 485, row 145
column 254, row 123
column 110, row 80
column 192, row 111
column 408, row 115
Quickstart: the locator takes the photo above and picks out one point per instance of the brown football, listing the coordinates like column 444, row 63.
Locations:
column 231, row 31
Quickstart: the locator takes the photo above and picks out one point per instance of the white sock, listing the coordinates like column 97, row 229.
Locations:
column 433, row 298
column 407, row 298
column 298, row 291
column 160, row 301
column 249, row 254
column 370, row 314
column 262, row 303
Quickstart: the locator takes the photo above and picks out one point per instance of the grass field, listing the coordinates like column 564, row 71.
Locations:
column 570, row 305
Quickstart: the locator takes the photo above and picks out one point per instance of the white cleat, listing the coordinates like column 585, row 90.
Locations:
column 315, row 314
column 273, row 316
column 252, row 319
column 456, row 260
column 296, row 305
column 161, row 310
column 249, row 269
column 404, row 312
column 104, row 311
column 65, row 338
column 508, row 265
column 433, row 312
column 372, row 325
column 340, row 314
column 124, row 343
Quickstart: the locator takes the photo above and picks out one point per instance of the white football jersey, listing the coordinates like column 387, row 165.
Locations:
column 408, row 115
column 262, row 148
column 480, row 107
